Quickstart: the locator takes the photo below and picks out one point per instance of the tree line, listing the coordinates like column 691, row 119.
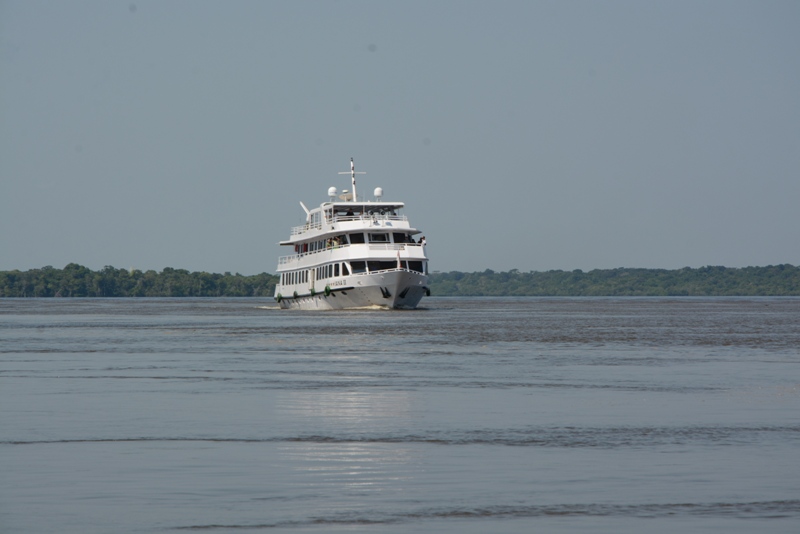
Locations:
column 78, row 281
column 773, row 280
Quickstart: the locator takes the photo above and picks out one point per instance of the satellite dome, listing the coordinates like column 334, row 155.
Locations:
column 331, row 191
column 378, row 192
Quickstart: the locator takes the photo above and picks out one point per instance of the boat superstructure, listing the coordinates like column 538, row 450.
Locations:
column 353, row 253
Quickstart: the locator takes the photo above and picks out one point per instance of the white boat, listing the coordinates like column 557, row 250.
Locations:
column 353, row 253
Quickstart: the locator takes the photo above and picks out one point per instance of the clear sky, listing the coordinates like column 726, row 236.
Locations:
column 520, row 134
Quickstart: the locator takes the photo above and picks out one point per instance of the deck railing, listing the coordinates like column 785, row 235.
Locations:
column 291, row 258
column 377, row 217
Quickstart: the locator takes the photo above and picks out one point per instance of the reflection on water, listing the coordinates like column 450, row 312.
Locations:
column 328, row 451
column 356, row 411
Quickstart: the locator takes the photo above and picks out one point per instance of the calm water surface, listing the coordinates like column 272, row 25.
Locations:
column 472, row 415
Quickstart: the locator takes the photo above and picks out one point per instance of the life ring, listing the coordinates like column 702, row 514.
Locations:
column 279, row 298
column 327, row 291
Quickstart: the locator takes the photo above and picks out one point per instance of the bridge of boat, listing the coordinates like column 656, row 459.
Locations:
column 368, row 213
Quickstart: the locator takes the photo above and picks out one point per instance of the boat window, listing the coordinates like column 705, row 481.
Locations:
column 381, row 265
column 345, row 269
column 356, row 238
column 378, row 238
column 335, row 269
column 358, row 266
column 415, row 266
column 399, row 237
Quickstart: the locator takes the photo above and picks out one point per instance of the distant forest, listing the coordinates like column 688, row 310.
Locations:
column 77, row 281
column 774, row 280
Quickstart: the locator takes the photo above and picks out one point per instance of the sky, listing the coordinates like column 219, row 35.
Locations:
column 530, row 135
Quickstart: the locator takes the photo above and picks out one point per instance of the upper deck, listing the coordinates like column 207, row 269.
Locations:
column 342, row 216
column 351, row 215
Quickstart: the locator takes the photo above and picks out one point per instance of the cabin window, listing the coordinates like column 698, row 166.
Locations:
column 335, row 269
column 356, row 238
column 381, row 265
column 358, row 266
column 345, row 269
column 378, row 238
column 399, row 237
column 415, row 266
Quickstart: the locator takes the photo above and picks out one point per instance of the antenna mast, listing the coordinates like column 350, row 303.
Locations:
column 352, row 174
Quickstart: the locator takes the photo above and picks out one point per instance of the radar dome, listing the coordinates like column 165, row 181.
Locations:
column 378, row 192
column 331, row 191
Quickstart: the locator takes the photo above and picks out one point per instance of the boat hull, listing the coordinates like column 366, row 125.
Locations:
column 398, row 288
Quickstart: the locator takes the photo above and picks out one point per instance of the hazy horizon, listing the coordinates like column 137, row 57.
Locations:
column 521, row 135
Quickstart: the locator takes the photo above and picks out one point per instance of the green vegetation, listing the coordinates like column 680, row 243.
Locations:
column 77, row 281
column 774, row 280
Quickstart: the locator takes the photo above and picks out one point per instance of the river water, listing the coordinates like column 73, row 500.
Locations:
column 472, row 415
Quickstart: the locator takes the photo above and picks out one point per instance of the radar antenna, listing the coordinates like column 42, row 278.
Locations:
column 352, row 174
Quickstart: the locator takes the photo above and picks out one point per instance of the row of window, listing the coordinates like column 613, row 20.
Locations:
column 357, row 238
column 333, row 270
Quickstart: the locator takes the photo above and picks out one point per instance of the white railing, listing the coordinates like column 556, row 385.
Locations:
column 292, row 258
column 377, row 217
column 283, row 260
column 392, row 246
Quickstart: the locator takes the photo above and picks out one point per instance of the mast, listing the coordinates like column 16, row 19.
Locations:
column 352, row 174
